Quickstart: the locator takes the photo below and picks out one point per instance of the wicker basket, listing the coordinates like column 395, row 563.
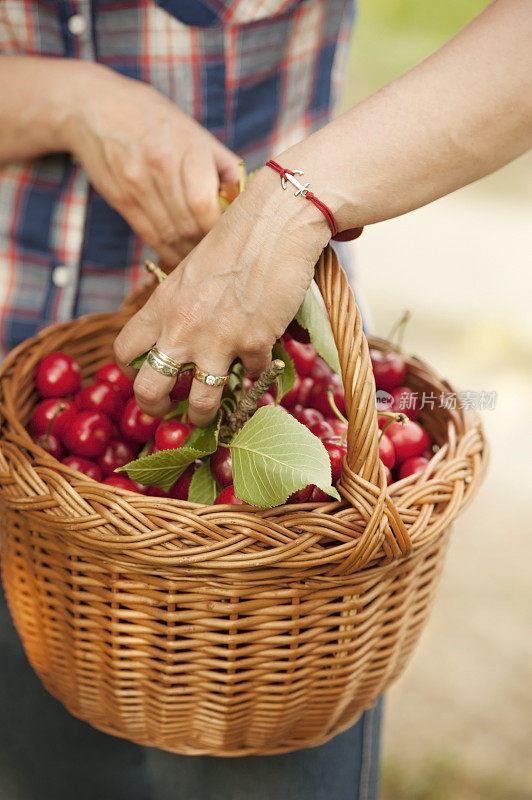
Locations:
column 223, row 630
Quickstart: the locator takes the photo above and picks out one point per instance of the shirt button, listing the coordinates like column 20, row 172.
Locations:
column 61, row 276
column 77, row 24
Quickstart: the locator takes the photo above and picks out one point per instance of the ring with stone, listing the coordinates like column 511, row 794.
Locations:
column 162, row 363
column 210, row 380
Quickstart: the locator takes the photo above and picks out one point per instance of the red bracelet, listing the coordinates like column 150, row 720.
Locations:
column 289, row 175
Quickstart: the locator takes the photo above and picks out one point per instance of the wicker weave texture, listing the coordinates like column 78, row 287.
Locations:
column 225, row 630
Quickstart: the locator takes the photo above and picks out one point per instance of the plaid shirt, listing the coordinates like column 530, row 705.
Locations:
column 259, row 74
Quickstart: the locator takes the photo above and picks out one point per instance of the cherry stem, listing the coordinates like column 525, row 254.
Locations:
column 398, row 329
column 155, row 270
column 334, row 408
column 146, row 449
column 248, row 404
column 395, row 416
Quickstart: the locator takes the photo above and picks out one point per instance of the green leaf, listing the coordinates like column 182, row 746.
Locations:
column 203, row 488
column 138, row 361
column 312, row 317
column 274, row 455
column 287, row 378
column 164, row 468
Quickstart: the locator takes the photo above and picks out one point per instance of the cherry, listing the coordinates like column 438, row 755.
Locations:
column 88, row 468
column 222, row 466
column 87, row 434
column 100, row 396
column 389, row 369
column 297, row 332
column 302, row 495
column 135, row 424
column 317, row 495
column 267, row 399
column 336, row 453
column 304, row 391
column 57, row 374
column 386, row 451
column 303, row 355
column 122, row 482
column 52, row 414
column 337, row 425
column 409, row 439
column 321, row 372
column 171, row 433
column 290, row 399
column 179, row 490
column 322, row 430
column 156, row 491
column 112, row 374
column 182, row 386
column 412, row 465
column 227, row 495
column 52, row 444
column 319, row 397
column 307, row 416
column 118, row 453
column 405, row 400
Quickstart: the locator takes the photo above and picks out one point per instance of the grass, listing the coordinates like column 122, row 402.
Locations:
column 446, row 778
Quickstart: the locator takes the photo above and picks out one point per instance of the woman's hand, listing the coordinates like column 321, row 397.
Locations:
column 233, row 296
column 155, row 165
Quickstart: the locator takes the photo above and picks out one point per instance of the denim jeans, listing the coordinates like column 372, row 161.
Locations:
column 47, row 754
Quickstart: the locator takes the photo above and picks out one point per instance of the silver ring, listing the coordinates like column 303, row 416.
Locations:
column 162, row 363
column 209, row 380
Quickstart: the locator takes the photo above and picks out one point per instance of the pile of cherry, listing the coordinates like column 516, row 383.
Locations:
column 99, row 427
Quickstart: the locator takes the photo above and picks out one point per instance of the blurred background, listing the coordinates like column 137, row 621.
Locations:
column 459, row 722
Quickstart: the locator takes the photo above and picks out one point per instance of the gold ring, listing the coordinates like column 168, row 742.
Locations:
column 210, row 380
column 162, row 363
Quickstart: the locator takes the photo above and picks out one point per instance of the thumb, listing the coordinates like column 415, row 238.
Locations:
column 227, row 164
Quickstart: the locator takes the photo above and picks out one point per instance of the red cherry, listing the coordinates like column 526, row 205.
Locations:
column 322, row 430
column 336, row 453
column 307, row 416
column 319, row 397
column 405, row 400
column 304, row 392
column 302, row 495
column 88, row 468
column 54, row 414
column 386, row 451
column 88, row 434
column 156, row 491
column 171, row 433
column 227, row 495
column 122, row 482
column 321, row 372
column 267, row 399
column 100, row 396
column 112, row 374
column 297, row 332
column 389, row 369
column 408, row 440
column 57, row 374
column 303, row 355
column 118, row 453
column 179, row 490
column 412, row 465
column 182, row 386
column 337, row 425
column 222, row 466
column 135, row 424
column 52, row 445
column 319, row 496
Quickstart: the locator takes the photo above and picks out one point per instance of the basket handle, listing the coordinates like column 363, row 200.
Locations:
column 363, row 481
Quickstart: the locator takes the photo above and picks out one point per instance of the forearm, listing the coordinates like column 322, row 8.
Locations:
column 459, row 115
column 35, row 99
